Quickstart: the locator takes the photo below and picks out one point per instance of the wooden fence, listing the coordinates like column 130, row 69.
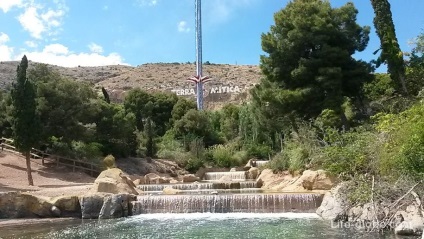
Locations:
column 92, row 168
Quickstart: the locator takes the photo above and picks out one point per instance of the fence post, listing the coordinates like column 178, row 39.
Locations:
column 91, row 172
column 73, row 168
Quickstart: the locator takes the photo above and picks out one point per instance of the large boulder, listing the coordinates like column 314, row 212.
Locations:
column 413, row 222
column 24, row 205
column 317, row 180
column 190, row 178
column 252, row 173
column 334, row 204
column 113, row 181
column 68, row 205
column 91, row 206
column 115, row 206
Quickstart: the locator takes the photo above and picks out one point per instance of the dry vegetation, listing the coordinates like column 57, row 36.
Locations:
column 164, row 77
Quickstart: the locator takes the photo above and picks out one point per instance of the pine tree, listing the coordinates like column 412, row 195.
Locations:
column 25, row 120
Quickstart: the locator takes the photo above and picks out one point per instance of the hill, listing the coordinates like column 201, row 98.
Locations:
column 230, row 83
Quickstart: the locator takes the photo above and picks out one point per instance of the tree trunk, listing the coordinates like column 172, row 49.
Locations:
column 28, row 164
column 402, row 81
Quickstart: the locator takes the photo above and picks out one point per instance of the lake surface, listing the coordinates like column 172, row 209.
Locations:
column 193, row 225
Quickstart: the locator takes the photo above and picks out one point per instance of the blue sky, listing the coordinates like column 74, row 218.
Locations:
column 134, row 32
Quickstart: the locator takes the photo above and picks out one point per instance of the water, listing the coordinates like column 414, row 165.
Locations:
column 214, row 176
column 194, row 226
column 199, row 186
column 225, row 203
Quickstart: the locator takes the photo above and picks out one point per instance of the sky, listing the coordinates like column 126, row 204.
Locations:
column 134, row 32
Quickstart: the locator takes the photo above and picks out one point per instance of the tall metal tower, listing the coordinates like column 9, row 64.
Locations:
column 199, row 79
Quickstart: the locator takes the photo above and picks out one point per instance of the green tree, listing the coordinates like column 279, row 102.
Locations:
column 309, row 65
column 25, row 119
column 181, row 107
column 390, row 49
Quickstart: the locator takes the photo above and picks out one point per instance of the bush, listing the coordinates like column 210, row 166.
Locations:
column 223, row 156
column 258, row 151
column 279, row 162
column 193, row 164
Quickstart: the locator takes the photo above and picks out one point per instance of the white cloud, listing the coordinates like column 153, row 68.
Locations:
column 95, row 48
column 182, row 27
column 30, row 21
column 6, row 52
column 58, row 54
column 31, row 44
column 4, row 38
column 6, row 5
column 38, row 21
column 147, row 2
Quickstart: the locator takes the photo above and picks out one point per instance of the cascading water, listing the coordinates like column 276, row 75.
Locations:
column 214, row 176
column 199, row 186
column 227, row 203
column 261, row 163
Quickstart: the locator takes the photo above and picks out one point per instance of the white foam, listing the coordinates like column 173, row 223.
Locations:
column 222, row 216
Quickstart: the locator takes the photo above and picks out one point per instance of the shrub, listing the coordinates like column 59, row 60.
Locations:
column 259, row 151
column 279, row 162
column 223, row 156
column 193, row 164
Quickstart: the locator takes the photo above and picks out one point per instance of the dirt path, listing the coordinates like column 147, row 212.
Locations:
column 49, row 180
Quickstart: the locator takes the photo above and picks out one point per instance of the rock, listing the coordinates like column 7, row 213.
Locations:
column 113, row 181
column 173, row 181
column 252, row 173
column 189, row 178
column 153, row 178
column 408, row 229
column 412, row 224
column 170, row 191
column 139, row 181
column 91, row 206
column 317, row 180
column 334, row 204
column 69, row 205
column 55, row 211
column 115, row 206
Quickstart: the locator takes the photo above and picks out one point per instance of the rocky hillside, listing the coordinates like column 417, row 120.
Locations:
column 230, row 83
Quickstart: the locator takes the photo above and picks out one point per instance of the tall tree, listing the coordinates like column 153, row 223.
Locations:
column 309, row 65
column 390, row 49
column 25, row 119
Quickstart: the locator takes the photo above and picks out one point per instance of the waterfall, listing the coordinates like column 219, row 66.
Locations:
column 214, row 176
column 226, row 203
column 199, row 186
column 261, row 163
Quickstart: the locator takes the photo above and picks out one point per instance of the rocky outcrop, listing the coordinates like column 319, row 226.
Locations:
column 252, row 173
column 287, row 182
column 69, row 206
column 113, row 181
column 411, row 223
column 116, row 206
column 317, row 180
column 91, row 206
column 190, row 178
column 334, row 205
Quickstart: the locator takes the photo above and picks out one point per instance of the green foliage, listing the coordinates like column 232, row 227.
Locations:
column 26, row 122
column 193, row 164
column 279, row 162
column 224, row 156
column 181, row 107
column 259, row 151
column 309, row 65
column 380, row 87
column 403, row 150
column 147, row 140
column 390, row 50
column 350, row 152
column 86, row 151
